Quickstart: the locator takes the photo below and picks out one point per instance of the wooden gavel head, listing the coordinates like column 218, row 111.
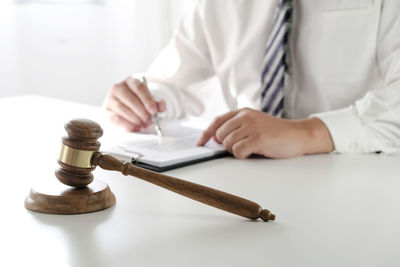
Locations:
column 76, row 153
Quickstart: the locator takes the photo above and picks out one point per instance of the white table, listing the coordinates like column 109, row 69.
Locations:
column 332, row 210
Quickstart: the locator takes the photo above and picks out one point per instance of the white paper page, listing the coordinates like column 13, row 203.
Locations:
column 178, row 144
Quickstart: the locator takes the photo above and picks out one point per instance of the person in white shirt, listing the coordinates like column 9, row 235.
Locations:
column 342, row 91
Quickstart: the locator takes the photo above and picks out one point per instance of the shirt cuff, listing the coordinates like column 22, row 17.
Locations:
column 346, row 129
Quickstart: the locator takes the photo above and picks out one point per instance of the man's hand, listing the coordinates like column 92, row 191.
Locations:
column 245, row 132
column 130, row 105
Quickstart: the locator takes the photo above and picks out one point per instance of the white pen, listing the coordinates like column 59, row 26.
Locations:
column 156, row 119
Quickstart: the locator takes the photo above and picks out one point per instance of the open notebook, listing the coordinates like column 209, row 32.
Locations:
column 176, row 148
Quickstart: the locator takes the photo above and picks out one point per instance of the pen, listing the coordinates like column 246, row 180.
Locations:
column 156, row 119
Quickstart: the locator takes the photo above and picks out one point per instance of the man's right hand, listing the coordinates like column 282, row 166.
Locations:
column 131, row 106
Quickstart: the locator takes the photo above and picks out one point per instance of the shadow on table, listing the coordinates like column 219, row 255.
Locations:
column 176, row 232
column 80, row 235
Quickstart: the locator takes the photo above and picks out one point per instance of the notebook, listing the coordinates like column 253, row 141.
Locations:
column 176, row 148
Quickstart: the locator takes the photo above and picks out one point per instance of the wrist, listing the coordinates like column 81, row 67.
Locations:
column 316, row 138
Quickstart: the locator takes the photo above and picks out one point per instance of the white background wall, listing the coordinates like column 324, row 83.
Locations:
column 77, row 49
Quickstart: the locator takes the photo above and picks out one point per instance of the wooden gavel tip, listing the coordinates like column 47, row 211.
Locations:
column 272, row 217
column 266, row 216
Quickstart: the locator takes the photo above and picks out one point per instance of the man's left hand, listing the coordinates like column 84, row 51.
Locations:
column 246, row 131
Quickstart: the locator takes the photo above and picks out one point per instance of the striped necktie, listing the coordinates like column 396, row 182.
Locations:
column 274, row 63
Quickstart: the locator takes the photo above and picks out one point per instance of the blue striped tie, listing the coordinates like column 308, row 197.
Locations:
column 274, row 63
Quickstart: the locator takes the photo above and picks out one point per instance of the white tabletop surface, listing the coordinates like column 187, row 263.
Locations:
column 332, row 210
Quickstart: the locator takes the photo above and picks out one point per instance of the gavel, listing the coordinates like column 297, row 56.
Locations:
column 80, row 155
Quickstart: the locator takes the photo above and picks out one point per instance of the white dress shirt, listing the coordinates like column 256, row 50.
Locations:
column 344, row 65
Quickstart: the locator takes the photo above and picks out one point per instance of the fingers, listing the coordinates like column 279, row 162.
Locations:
column 243, row 148
column 143, row 93
column 235, row 131
column 234, row 137
column 238, row 141
column 114, row 106
column 131, row 105
column 161, row 106
column 214, row 126
column 227, row 128
column 123, row 123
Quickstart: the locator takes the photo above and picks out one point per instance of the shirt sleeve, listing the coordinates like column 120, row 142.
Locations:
column 184, row 62
column 372, row 124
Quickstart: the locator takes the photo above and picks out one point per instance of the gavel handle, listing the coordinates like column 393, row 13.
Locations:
column 206, row 195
